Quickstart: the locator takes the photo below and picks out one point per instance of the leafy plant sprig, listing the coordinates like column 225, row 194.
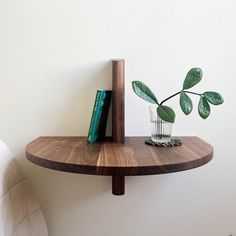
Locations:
column 166, row 113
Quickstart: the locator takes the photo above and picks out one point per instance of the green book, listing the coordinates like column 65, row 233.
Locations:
column 97, row 129
column 90, row 137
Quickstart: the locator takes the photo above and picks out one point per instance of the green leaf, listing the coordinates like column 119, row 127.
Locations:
column 213, row 97
column 203, row 108
column 144, row 92
column 166, row 113
column 185, row 103
column 193, row 77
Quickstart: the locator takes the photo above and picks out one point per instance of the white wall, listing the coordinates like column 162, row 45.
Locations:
column 53, row 57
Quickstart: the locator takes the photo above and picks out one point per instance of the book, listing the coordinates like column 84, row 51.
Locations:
column 90, row 137
column 102, row 121
column 97, row 129
column 97, row 116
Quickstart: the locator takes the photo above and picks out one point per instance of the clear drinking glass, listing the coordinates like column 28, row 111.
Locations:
column 160, row 129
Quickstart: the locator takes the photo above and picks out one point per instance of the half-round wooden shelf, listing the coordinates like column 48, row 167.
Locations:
column 134, row 157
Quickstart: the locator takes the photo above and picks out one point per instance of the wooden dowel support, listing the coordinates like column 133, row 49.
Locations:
column 118, row 101
column 118, row 185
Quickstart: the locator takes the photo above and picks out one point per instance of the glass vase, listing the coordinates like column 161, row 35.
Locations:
column 160, row 129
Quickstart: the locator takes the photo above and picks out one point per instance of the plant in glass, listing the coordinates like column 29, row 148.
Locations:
column 162, row 116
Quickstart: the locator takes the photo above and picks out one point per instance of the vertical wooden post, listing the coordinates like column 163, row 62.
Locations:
column 118, row 116
column 118, row 101
column 118, row 185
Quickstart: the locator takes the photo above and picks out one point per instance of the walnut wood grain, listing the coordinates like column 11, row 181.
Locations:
column 118, row 101
column 134, row 157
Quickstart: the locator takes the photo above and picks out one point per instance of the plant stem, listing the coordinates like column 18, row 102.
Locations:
column 170, row 97
column 179, row 93
column 193, row 93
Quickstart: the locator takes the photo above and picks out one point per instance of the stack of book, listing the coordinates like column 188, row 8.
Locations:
column 97, row 129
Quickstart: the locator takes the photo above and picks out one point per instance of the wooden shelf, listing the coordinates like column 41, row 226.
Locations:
column 133, row 157
column 123, row 156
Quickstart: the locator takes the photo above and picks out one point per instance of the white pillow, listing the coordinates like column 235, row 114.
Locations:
column 20, row 213
column 4, row 150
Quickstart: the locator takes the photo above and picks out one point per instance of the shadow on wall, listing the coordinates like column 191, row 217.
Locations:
column 67, row 113
column 70, row 112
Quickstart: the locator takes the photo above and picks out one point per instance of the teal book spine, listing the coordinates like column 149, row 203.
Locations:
column 90, row 137
column 98, row 116
column 97, row 130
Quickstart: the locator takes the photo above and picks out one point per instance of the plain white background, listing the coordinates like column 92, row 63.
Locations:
column 53, row 57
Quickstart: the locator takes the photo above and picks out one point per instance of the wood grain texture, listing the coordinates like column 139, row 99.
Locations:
column 134, row 157
column 118, row 101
